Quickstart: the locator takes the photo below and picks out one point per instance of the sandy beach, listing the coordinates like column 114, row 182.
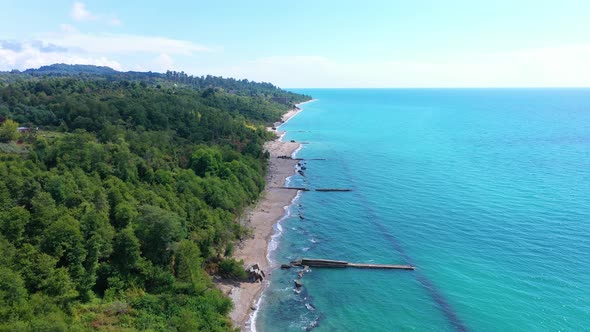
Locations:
column 269, row 209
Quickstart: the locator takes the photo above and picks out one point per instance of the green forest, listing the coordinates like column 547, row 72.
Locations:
column 119, row 195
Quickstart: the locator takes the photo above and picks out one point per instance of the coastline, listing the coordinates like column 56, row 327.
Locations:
column 268, row 211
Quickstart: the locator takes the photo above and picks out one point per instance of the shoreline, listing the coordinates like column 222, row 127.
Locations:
column 261, row 219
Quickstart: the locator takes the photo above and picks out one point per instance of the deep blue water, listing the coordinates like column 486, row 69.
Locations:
column 485, row 191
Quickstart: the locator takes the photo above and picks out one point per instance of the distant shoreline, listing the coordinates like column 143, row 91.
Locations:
column 269, row 210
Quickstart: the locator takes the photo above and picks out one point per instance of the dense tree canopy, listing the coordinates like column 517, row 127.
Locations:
column 128, row 189
column 241, row 87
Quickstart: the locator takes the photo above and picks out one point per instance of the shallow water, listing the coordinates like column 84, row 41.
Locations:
column 485, row 191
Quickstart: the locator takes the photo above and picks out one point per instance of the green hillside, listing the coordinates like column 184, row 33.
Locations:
column 121, row 200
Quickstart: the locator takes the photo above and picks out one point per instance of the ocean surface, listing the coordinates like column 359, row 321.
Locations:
column 485, row 191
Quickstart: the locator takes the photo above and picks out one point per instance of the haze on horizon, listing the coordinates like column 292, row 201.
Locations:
column 382, row 43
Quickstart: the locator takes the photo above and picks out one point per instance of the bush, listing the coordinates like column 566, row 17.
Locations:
column 8, row 131
column 229, row 268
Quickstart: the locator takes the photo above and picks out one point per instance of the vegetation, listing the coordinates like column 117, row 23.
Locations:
column 111, row 213
column 171, row 78
column 8, row 131
column 231, row 269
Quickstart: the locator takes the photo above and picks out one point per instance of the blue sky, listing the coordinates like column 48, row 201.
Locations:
column 302, row 43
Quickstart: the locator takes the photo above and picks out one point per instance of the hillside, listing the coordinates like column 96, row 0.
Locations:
column 120, row 202
column 233, row 86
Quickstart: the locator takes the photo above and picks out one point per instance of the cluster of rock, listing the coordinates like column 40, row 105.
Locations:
column 301, row 167
column 300, row 214
column 298, row 283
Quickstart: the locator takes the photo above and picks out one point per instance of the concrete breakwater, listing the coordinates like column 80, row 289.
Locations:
column 312, row 262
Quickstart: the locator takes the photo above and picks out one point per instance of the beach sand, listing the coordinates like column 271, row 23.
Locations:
column 269, row 209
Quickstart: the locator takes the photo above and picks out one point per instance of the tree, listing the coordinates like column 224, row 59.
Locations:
column 64, row 241
column 43, row 213
column 124, row 214
column 13, row 223
column 205, row 161
column 8, row 131
column 188, row 266
column 109, row 223
column 232, row 269
column 158, row 229
column 13, row 295
column 126, row 251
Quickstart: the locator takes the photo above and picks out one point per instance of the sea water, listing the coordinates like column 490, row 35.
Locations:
column 485, row 191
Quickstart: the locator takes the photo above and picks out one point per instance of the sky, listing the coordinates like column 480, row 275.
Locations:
column 312, row 44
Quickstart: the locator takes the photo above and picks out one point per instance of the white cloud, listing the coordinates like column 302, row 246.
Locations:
column 116, row 50
column 563, row 66
column 164, row 62
column 305, row 60
column 30, row 55
column 71, row 46
column 80, row 13
column 109, row 43
column 115, row 22
column 285, row 71
column 68, row 28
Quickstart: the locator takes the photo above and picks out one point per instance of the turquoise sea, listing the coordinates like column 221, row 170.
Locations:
column 485, row 191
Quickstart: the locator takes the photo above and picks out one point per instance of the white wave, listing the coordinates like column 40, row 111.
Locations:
column 294, row 154
column 274, row 240
column 278, row 229
column 282, row 135
column 251, row 324
column 288, row 181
